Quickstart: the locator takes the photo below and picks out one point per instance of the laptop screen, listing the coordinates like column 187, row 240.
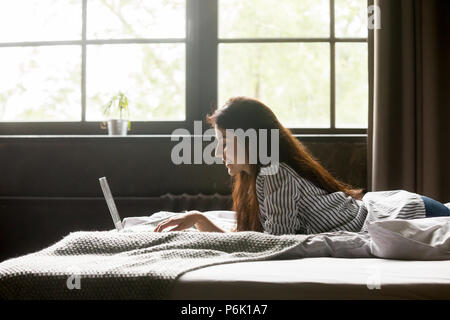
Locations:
column 111, row 205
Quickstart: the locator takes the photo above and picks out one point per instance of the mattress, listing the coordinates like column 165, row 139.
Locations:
column 318, row 278
column 314, row 278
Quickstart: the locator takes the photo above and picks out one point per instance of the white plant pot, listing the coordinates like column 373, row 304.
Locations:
column 117, row 127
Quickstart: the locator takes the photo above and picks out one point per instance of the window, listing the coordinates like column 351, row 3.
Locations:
column 178, row 59
column 306, row 59
column 61, row 61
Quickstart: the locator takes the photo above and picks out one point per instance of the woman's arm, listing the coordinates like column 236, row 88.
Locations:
column 280, row 205
column 191, row 219
column 203, row 224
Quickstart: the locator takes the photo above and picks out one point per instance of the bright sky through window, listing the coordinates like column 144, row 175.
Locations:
column 52, row 72
column 44, row 82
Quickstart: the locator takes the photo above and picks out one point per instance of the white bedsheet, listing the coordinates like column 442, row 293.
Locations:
column 318, row 278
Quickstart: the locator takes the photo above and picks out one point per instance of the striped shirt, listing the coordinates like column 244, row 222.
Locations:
column 291, row 204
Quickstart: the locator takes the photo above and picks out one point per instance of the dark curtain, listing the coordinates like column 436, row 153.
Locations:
column 409, row 118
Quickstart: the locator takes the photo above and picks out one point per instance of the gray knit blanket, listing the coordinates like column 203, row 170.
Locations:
column 145, row 265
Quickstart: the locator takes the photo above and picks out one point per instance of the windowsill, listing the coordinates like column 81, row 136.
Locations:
column 73, row 136
column 309, row 137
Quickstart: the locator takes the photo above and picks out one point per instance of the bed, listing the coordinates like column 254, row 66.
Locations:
column 315, row 278
column 395, row 260
column 318, row 278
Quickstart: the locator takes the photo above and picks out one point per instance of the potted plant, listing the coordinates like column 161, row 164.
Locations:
column 117, row 106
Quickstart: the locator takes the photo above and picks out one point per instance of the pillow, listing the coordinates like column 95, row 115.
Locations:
column 416, row 239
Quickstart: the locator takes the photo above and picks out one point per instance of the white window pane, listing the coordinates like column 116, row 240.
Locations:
column 351, row 85
column 40, row 83
column 151, row 75
column 274, row 18
column 293, row 79
column 40, row 20
column 350, row 18
column 116, row 19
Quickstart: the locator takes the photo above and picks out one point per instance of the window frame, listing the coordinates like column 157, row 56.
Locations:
column 201, row 79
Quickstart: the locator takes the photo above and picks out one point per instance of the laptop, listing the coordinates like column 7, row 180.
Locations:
column 111, row 205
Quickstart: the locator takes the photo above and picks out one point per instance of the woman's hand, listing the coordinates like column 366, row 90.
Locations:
column 191, row 218
column 181, row 222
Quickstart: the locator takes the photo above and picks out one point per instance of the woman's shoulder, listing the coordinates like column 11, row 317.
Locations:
column 285, row 174
column 274, row 169
column 277, row 173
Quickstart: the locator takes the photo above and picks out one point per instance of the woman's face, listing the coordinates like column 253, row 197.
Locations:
column 225, row 150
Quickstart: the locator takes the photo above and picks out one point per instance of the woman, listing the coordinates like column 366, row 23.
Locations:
column 301, row 196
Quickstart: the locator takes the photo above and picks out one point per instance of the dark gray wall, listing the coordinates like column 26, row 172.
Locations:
column 49, row 185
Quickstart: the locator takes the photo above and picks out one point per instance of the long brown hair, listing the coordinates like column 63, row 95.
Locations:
column 247, row 113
